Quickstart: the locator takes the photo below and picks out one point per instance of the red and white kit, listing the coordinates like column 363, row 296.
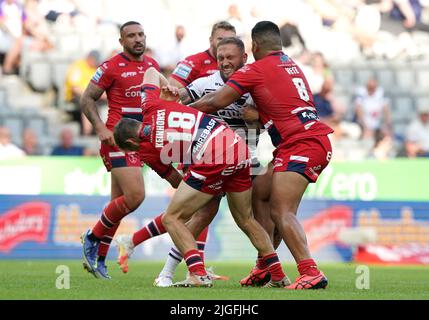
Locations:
column 300, row 138
column 121, row 79
column 199, row 65
column 218, row 157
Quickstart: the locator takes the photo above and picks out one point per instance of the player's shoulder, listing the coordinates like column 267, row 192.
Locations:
column 198, row 58
column 114, row 63
column 151, row 62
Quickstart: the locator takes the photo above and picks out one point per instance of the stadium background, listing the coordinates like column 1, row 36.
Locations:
column 365, row 208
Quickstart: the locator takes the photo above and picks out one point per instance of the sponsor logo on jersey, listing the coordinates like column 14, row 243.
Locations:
column 307, row 115
column 128, row 74
column 97, row 75
column 207, row 61
column 204, row 135
column 217, row 185
column 284, row 58
column 146, row 130
column 159, row 129
column 133, row 91
column 183, row 71
column 121, row 64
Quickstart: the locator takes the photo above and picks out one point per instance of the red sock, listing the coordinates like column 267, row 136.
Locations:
column 308, row 267
column 195, row 263
column 103, row 249
column 260, row 263
column 112, row 214
column 201, row 242
column 150, row 230
column 274, row 266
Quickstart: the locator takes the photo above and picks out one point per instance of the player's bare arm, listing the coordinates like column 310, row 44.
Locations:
column 174, row 178
column 215, row 101
column 91, row 94
column 174, row 82
column 184, row 96
column 250, row 113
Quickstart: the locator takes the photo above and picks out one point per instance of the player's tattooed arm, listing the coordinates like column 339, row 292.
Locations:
column 214, row 101
column 88, row 105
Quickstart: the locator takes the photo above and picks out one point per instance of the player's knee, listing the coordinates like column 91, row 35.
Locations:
column 278, row 215
column 168, row 220
column 134, row 199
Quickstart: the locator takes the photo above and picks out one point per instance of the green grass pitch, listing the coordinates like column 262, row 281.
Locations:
column 37, row 280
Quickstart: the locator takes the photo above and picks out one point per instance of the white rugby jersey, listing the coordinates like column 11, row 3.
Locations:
column 232, row 113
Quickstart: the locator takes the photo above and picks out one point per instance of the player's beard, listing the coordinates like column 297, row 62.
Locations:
column 136, row 53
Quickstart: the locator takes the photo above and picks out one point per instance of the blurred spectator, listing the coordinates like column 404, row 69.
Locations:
column 330, row 112
column 235, row 18
column 384, row 147
column 77, row 78
column 324, row 104
column 316, row 70
column 66, row 146
column 21, row 29
column 30, row 143
column 291, row 37
column 372, row 110
column 7, row 148
column 171, row 53
column 12, row 18
column 417, row 134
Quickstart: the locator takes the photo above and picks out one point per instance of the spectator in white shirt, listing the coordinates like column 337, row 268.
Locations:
column 372, row 110
column 7, row 149
column 417, row 134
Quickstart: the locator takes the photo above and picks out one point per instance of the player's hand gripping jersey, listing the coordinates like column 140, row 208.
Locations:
column 217, row 156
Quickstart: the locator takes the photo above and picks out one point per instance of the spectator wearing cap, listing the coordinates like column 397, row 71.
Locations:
column 417, row 134
column 77, row 77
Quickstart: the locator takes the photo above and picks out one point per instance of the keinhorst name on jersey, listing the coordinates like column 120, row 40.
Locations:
column 159, row 134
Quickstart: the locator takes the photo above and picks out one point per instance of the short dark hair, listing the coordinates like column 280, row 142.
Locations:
column 232, row 40
column 223, row 25
column 125, row 129
column 129, row 23
column 267, row 34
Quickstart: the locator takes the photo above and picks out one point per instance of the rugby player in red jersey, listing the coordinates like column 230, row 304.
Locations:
column 231, row 57
column 218, row 162
column 303, row 150
column 202, row 64
column 121, row 78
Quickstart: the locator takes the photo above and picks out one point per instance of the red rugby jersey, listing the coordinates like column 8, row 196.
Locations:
column 189, row 134
column 283, row 96
column 122, row 80
column 193, row 67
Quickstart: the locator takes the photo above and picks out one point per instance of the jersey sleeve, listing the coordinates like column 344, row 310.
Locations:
column 150, row 93
column 154, row 64
column 186, row 71
column 151, row 157
column 196, row 88
column 244, row 79
column 103, row 76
